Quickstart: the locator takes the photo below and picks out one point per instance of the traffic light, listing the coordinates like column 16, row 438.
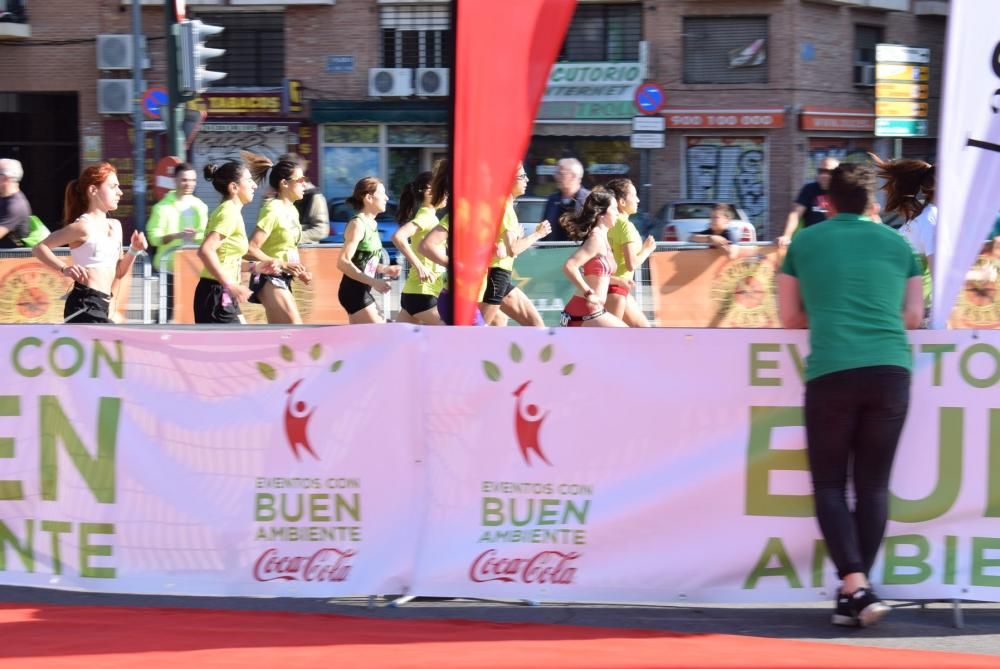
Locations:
column 192, row 54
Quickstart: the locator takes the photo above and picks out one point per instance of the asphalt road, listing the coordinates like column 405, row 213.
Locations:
column 908, row 626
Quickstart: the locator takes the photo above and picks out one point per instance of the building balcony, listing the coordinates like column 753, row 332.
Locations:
column 930, row 7
column 13, row 20
column 884, row 5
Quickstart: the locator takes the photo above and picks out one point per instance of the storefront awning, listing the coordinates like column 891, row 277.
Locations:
column 378, row 111
column 577, row 129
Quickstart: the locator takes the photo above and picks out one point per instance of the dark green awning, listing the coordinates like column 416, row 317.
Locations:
column 379, row 111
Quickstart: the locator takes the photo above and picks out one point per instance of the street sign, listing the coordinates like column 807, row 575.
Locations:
column 153, row 125
column 895, row 72
column 900, row 91
column 152, row 100
column 647, row 140
column 897, row 108
column 649, row 98
column 885, row 89
column 649, row 124
column 900, row 127
column 164, row 176
column 896, row 53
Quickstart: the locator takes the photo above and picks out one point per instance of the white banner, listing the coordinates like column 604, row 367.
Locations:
column 559, row 465
column 968, row 167
column 668, row 465
column 218, row 462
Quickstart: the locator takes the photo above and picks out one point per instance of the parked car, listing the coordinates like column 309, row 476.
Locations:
column 341, row 213
column 680, row 220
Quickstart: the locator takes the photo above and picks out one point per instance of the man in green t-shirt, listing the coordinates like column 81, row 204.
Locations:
column 855, row 284
column 178, row 219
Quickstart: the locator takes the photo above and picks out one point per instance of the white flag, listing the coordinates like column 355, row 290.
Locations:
column 969, row 147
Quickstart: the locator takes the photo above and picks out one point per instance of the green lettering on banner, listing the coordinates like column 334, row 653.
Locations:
column 967, row 376
column 820, row 554
column 774, row 549
column 800, row 364
column 10, row 407
column 89, row 550
column 980, row 563
column 949, row 482
column 24, row 550
column 950, row 559
column 993, row 465
column 15, row 357
column 55, row 528
column 757, row 364
column 938, row 351
column 116, row 364
column 77, row 359
column 762, row 460
column 352, row 508
column 893, row 562
column 492, row 512
column 98, row 472
column 263, row 507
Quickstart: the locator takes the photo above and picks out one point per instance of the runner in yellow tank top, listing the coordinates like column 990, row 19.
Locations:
column 276, row 238
column 418, row 301
column 501, row 294
column 629, row 252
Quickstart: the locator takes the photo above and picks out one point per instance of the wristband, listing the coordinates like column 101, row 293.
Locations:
column 251, row 266
column 134, row 252
column 62, row 270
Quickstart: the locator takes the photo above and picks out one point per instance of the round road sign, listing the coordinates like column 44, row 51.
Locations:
column 649, row 98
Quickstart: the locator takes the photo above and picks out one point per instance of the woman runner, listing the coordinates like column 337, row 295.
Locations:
column 276, row 239
column 629, row 252
column 359, row 259
column 95, row 244
column 591, row 267
column 419, row 299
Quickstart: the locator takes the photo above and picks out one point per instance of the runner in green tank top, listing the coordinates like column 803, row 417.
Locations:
column 276, row 239
column 418, row 301
column 359, row 259
column 630, row 253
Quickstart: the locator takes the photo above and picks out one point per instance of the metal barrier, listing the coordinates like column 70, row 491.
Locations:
column 147, row 293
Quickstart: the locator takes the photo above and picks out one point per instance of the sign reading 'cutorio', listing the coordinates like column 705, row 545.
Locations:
column 592, row 82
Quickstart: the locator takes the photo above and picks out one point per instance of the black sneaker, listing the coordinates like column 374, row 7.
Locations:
column 867, row 607
column 844, row 614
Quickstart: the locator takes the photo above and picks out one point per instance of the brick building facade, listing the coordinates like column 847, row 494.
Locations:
column 756, row 91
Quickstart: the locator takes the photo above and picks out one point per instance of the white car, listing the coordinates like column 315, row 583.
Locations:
column 682, row 219
column 530, row 212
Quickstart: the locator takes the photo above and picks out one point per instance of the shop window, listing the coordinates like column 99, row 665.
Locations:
column 603, row 33
column 865, row 39
column 725, row 50
column 415, row 35
column 255, row 48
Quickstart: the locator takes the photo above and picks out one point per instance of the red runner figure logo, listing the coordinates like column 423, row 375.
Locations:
column 297, row 423
column 527, row 427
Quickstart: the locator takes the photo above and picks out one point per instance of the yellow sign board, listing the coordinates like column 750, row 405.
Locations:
column 892, row 72
column 905, row 108
column 903, row 91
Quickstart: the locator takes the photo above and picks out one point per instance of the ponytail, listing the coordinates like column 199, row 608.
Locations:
column 413, row 197
column 75, row 199
column 579, row 226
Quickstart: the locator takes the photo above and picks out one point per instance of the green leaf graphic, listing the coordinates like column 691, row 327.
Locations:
column 492, row 371
column 336, row 366
column 266, row 370
column 286, row 353
column 568, row 369
column 546, row 353
column 515, row 353
column 316, row 351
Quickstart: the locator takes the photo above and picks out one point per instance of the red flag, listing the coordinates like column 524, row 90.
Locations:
column 503, row 53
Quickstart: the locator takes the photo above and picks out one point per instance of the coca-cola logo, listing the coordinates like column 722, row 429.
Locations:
column 326, row 564
column 545, row 567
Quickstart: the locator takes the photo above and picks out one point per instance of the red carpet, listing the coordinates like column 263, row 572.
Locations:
column 111, row 638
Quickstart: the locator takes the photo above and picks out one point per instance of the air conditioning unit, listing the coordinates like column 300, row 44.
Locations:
column 390, row 81
column 864, row 74
column 114, row 96
column 114, row 52
column 432, row 81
